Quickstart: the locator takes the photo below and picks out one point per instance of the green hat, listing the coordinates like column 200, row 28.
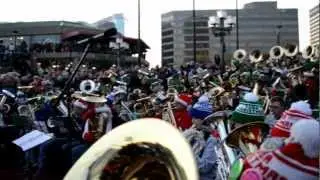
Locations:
column 249, row 110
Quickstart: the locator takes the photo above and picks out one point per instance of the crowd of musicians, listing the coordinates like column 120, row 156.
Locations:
column 259, row 113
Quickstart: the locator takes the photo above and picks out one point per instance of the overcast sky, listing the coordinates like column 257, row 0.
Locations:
column 151, row 10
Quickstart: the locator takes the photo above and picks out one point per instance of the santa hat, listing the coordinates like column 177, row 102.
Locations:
column 202, row 108
column 248, row 110
column 184, row 99
column 306, row 133
column 298, row 111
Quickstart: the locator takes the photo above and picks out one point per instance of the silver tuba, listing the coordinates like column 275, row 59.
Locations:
column 240, row 55
column 87, row 86
column 310, row 52
column 138, row 150
column 256, row 56
column 291, row 50
column 276, row 52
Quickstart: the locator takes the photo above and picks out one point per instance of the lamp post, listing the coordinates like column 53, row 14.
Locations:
column 221, row 25
column 119, row 45
column 278, row 34
column 194, row 32
column 139, row 41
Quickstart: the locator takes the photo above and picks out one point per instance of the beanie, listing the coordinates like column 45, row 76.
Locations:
column 298, row 111
column 248, row 110
column 202, row 108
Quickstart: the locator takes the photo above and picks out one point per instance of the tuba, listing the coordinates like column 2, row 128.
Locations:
column 291, row 50
column 137, row 150
column 310, row 52
column 276, row 52
column 240, row 55
column 256, row 56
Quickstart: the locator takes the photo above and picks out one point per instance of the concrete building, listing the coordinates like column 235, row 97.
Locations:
column 258, row 26
column 315, row 25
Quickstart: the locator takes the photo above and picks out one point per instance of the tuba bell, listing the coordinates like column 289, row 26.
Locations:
column 240, row 55
column 276, row 52
column 256, row 56
column 137, row 150
column 291, row 50
column 87, row 86
column 310, row 52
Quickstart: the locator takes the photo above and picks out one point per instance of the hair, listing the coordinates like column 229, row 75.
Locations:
column 278, row 99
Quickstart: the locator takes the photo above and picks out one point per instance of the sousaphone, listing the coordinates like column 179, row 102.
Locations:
column 138, row 150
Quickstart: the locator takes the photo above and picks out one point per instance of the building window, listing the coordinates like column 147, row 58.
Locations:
column 200, row 23
column 198, row 38
column 169, row 46
column 165, row 54
column 199, row 45
column 169, row 39
column 165, row 33
column 198, row 31
column 167, row 61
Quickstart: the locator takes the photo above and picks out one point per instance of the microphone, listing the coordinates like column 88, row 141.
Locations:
column 106, row 34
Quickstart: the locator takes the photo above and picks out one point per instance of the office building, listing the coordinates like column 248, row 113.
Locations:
column 315, row 25
column 259, row 24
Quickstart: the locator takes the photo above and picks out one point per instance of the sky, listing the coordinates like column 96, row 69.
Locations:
column 151, row 10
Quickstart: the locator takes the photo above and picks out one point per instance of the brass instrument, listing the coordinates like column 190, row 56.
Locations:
column 248, row 137
column 277, row 52
column 225, row 154
column 291, row 50
column 87, row 86
column 138, row 150
column 168, row 115
column 240, row 55
column 256, row 56
column 310, row 52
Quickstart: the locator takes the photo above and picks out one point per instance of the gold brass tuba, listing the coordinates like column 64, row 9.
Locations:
column 276, row 52
column 248, row 137
column 240, row 55
column 138, row 150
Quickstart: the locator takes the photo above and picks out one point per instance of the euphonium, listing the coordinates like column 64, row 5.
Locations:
column 290, row 50
column 138, row 150
column 256, row 56
column 276, row 52
column 240, row 55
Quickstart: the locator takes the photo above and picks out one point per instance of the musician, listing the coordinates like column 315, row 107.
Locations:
column 297, row 159
column 206, row 158
column 181, row 115
column 276, row 107
column 297, row 111
column 248, row 110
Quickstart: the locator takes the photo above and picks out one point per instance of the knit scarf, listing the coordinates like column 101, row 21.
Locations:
column 288, row 162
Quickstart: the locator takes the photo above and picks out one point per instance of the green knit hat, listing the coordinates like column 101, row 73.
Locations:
column 249, row 110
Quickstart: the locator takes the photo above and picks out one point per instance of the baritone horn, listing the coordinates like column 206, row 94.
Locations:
column 240, row 55
column 138, row 150
column 276, row 52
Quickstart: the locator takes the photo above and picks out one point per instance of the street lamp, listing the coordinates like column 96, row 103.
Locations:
column 119, row 45
column 221, row 25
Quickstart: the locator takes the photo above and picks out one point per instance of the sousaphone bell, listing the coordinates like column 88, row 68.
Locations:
column 138, row 150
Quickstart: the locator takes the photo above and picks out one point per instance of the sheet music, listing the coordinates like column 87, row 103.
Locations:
column 31, row 140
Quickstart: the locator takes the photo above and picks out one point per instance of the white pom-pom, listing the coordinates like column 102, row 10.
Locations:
column 301, row 106
column 250, row 97
column 306, row 133
column 203, row 98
